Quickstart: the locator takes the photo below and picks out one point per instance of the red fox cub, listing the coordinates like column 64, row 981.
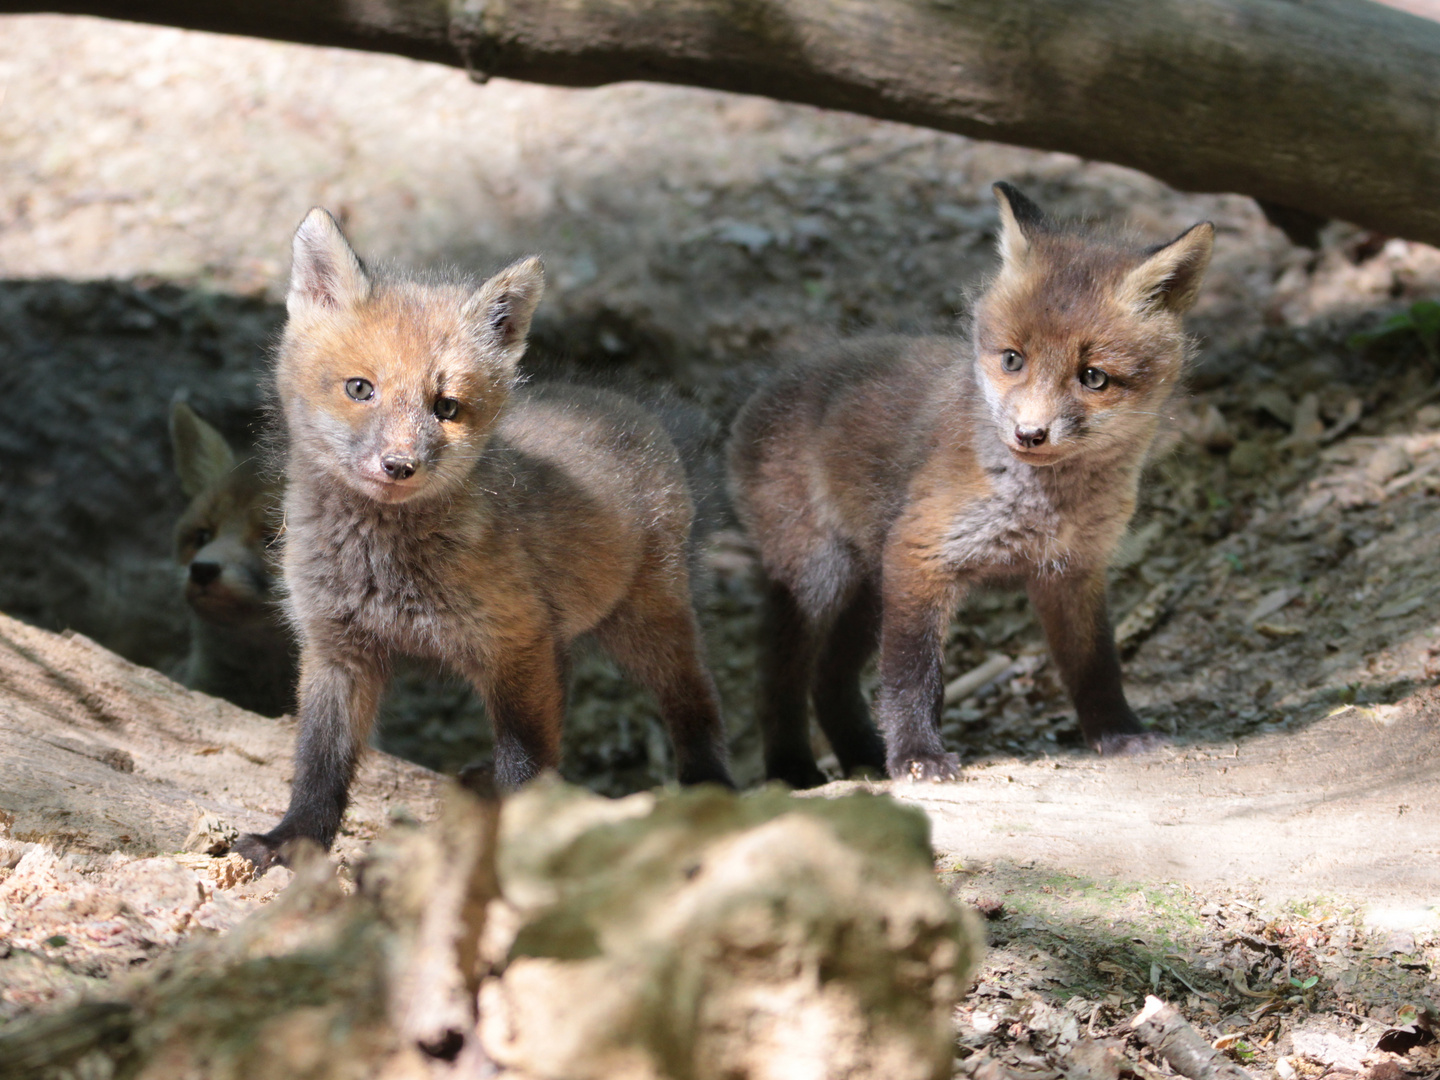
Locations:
column 240, row 647
column 882, row 480
column 435, row 508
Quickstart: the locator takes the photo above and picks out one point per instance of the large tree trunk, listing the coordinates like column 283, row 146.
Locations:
column 1328, row 107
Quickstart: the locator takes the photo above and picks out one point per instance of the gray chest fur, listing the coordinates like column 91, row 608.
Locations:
column 1043, row 520
column 378, row 579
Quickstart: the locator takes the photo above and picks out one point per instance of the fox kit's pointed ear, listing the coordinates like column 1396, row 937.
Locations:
column 1169, row 280
column 202, row 455
column 1020, row 219
column 499, row 312
column 325, row 272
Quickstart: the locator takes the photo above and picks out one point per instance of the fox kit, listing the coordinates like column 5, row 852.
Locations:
column 435, row 508
column 240, row 646
column 882, row 481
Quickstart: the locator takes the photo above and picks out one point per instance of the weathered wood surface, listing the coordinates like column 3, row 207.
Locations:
column 419, row 964
column 97, row 755
column 1341, row 807
column 1328, row 107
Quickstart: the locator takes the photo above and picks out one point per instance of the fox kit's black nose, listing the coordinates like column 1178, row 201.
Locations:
column 1030, row 437
column 203, row 573
column 398, row 466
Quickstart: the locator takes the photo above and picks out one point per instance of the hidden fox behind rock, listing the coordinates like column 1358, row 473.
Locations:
column 885, row 478
column 241, row 647
column 436, row 508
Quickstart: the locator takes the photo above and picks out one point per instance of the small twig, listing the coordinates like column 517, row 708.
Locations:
column 962, row 687
column 1188, row 985
column 1164, row 1030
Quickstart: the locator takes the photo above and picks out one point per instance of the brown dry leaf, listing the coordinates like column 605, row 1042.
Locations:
column 1401, row 1040
column 1278, row 630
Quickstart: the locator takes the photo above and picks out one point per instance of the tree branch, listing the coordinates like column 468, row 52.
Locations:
column 1329, row 107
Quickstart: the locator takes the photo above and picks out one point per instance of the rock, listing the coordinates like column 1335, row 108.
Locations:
column 1428, row 416
column 703, row 935
column 1318, row 1040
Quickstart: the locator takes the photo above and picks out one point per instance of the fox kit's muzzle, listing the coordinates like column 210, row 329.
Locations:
column 1030, row 437
column 399, row 466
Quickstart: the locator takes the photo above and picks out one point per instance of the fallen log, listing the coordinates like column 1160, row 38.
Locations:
column 1160, row 1027
column 1326, row 109
column 697, row 934
column 102, row 755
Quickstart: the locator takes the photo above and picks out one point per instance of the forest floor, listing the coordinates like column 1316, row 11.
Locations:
column 1274, row 871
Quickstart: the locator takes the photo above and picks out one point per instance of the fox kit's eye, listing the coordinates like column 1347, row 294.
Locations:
column 1011, row 360
column 1092, row 378
column 200, row 537
column 446, row 408
column 360, row 389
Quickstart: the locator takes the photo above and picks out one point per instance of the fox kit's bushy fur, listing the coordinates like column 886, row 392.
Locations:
column 435, row 508
column 882, row 480
column 241, row 647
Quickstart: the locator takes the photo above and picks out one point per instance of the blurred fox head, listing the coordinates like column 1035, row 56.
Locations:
column 223, row 541
column 1078, row 340
column 393, row 386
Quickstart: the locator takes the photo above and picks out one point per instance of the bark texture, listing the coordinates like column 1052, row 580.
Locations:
column 563, row 936
column 1327, row 108
column 103, row 755
column 1165, row 1031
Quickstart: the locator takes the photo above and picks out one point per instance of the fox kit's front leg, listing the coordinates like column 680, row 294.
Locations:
column 918, row 597
column 339, row 695
column 1073, row 611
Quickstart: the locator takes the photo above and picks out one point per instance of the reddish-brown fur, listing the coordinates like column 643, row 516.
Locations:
column 883, row 479
column 436, row 508
column 240, row 645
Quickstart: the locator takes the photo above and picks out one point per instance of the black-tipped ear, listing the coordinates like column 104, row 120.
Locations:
column 325, row 272
column 1020, row 220
column 500, row 311
column 202, row 456
column 1169, row 279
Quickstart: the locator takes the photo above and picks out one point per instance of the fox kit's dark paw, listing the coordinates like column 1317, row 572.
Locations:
column 930, row 768
column 798, row 774
column 260, row 850
column 707, row 772
column 1127, row 743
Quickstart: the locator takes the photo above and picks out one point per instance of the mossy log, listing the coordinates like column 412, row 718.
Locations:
column 563, row 936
